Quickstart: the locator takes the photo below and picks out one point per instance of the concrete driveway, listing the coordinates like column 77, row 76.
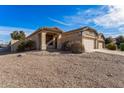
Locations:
column 117, row 52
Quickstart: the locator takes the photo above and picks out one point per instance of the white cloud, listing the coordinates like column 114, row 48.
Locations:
column 121, row 30
column 84, row 17
column 106, row 16
column 78, row 19
column 6, row 30
column 60, row 22
column 81, row 17
column 114, row 17
column 106, row 19
column 107, row 34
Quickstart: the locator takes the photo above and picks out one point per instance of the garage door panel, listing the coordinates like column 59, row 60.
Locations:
column 100, row 45
column 88, row 44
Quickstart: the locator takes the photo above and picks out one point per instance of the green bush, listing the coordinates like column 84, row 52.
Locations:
column 109, row 40
column 21, row 47
column 111, row 46
column 77, row 48
column 66, row 46
column 30, row 45
column 119, row 40
column 26, row 45
column 122, row 46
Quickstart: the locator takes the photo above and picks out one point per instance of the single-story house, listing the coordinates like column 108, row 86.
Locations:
column 53, row 38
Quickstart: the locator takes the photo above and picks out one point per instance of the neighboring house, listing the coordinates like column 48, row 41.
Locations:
column 53, row 38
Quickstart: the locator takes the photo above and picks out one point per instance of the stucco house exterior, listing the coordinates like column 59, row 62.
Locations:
column 53, row 38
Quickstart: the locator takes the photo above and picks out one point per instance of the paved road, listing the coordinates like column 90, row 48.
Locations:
column 4, row 50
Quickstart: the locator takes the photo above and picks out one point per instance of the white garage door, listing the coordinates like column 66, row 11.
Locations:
column 100, row 45
column 88, row 44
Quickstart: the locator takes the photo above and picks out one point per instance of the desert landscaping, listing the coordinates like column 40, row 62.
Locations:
column 46, row 70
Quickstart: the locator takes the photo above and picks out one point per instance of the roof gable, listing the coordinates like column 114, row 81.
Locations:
column 55, row 29
column 100, row 34
column 83, row 29
column 43, row 29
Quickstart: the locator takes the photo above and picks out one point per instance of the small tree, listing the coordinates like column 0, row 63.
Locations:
column 26, row 45
column 18, row 35
column 119, row 39
column 111, row 46
column 109, row 40
column 30, row 44
column 122, row 46
column 21, row 47
column 22, row 35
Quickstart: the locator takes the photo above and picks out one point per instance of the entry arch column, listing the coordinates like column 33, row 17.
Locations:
column 43, row 41
column 59, row 44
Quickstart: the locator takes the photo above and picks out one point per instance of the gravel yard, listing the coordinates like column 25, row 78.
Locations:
column 61, row 70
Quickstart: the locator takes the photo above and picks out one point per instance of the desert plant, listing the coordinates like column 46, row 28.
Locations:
column 77, row 47
column 122, row 46
column 30, row 45
column 21, row 47
column 18, row 35
column 26, row 45
column 66, row 46
column 119, row 40
column 109, row 40
column 111, row 46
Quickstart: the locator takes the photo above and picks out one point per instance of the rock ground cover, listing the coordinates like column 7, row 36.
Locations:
column 61, row 70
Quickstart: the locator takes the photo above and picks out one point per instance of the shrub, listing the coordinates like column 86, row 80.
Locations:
column 21, row 47
column 30, row 45
column 111, row 46
column 109, row 40
column 119, row 40
column 122, row 46
column 26, row 45
column 66, row 46
column 77, row 48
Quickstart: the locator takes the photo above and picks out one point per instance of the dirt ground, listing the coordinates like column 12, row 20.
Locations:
column 61, row 70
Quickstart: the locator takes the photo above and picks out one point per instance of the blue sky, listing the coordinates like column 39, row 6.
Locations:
column 106, row 19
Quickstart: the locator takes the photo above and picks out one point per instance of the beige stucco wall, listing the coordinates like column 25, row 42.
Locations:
column 100, row 40
column 43, row 41
column 72, row 37
column 35, row 38
column 59, row 43
column 40, row 40
column 14, row 45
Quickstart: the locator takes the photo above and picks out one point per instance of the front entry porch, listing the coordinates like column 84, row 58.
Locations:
column 50, row 40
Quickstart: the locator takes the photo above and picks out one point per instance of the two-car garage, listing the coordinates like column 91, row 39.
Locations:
column 90, row 44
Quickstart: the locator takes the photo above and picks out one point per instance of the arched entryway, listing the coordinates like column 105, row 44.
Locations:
column 51, row 40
